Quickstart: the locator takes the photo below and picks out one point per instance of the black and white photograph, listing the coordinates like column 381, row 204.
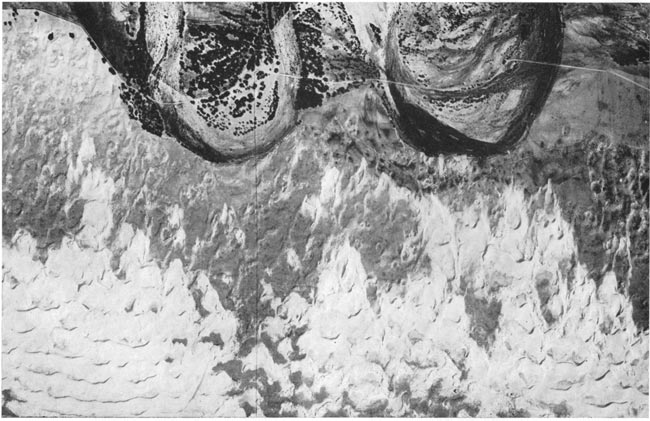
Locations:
column 333, row 209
